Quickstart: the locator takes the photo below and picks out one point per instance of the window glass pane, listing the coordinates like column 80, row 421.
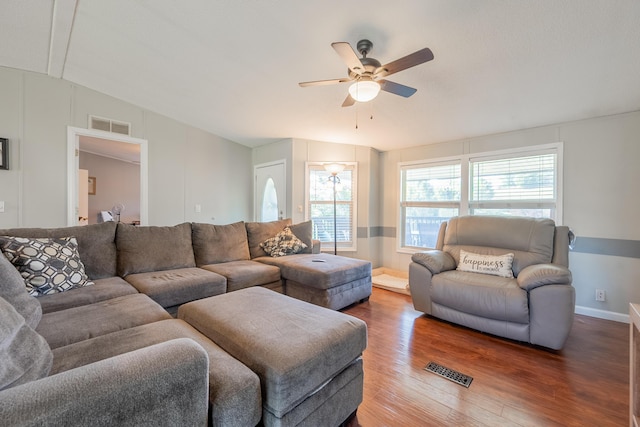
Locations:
column 422, row 225
column 436, row 183
column 522, row 178
column 269, row 202
column 321, row 206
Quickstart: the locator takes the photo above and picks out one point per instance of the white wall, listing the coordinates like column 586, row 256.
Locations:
column 117, row 182
column 601, row 173
column 187, row 166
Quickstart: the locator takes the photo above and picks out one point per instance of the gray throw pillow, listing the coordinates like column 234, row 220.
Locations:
column 12, row 289
column 25, row 354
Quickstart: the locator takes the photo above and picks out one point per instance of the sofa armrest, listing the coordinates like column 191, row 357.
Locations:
column 537, row 275
column 435, row 261
column 315, row 248
column 163, row 384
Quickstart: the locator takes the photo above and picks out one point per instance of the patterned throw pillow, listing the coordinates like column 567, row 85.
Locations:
column 47, row 265
column 284, row 243
column 496, row 265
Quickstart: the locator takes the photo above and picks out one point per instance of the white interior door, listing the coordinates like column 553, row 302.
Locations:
column 270, row 199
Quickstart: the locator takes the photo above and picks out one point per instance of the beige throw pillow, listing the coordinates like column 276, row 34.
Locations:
column 496, row 265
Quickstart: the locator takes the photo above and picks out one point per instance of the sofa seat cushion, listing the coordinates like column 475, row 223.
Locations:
column 294, row 347
column 322, row 271
column 244, row 274
column 234, row 390
column 103, row 289
column 76, row 324
column 173, row 287
column 482, row 295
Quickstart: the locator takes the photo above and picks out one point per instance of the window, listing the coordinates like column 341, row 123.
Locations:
column 430, row 195
column 320, row 207
column 515, row 182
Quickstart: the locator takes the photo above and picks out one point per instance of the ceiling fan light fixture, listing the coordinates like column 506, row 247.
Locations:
column 364, row 90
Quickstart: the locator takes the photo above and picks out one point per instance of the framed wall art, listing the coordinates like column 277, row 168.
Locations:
column 92, row 185
column 4, row 153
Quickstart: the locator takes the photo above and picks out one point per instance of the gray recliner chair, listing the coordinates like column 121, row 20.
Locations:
column 536, row 305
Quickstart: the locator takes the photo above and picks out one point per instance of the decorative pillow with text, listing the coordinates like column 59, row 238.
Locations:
column 283, row 243
column 496, row 265
column 47, row 265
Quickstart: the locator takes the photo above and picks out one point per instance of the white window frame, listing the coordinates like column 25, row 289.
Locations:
column 352, row 166
column 465, row 162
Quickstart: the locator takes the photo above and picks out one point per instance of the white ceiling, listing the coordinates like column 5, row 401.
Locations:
column 231, row 67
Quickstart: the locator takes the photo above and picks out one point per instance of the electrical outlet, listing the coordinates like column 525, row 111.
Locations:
column 601, row 295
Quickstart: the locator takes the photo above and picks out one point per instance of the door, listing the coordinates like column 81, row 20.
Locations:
column 270, row 199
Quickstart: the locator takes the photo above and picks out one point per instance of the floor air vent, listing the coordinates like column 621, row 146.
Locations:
column 450, row 374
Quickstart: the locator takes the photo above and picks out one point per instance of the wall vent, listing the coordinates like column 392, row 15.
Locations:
column 108, row 125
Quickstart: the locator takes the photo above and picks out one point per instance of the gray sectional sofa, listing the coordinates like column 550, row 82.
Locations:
column 112, row 352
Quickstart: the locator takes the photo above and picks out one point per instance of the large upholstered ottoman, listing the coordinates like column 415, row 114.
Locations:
column 326, row 280
column 308, row 358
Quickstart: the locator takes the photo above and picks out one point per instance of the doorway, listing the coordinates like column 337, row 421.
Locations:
column 111, row 143
column 270, row 196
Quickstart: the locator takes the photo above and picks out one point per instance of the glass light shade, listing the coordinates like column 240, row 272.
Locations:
column 334, row 168
column 364, row 90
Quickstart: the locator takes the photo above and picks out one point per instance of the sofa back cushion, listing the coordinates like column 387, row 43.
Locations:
column 24, row 353
column 96, row 245
column 213, row 244
column 13, row 290
column 152, row 248
column 258, row 232
column 304, row 232
column 530, row 239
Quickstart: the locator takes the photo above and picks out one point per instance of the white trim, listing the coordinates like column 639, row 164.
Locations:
column 602, row 314
column 73, row 138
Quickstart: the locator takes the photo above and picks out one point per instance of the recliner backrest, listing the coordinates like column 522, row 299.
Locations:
column 531, row 240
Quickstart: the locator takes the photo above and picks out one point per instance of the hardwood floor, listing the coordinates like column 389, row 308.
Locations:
column 514, row 384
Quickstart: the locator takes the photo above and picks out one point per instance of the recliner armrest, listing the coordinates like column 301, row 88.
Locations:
column 435, row 261
column 537, row 275
column 163, row 384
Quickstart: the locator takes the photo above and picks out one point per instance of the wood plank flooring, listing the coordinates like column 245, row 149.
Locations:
column 514, row 384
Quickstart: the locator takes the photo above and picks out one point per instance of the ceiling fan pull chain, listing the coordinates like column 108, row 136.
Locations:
column 356, row 115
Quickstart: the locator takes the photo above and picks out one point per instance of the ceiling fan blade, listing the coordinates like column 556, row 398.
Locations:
column 396, row 88
column 416, row 58
column 323, row 82
column 349, row 56
column 349, row 101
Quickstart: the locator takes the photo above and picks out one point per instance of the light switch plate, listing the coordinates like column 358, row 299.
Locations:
column 1, row 206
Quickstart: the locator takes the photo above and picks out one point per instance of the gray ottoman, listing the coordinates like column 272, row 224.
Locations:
column 308, row 358
column 326, row 280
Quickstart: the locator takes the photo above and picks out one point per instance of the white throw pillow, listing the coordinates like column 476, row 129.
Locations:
column 496, row 265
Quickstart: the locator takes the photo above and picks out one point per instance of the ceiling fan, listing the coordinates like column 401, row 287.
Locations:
column 369, row 75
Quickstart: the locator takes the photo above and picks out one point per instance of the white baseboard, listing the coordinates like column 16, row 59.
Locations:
column 602, row 314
